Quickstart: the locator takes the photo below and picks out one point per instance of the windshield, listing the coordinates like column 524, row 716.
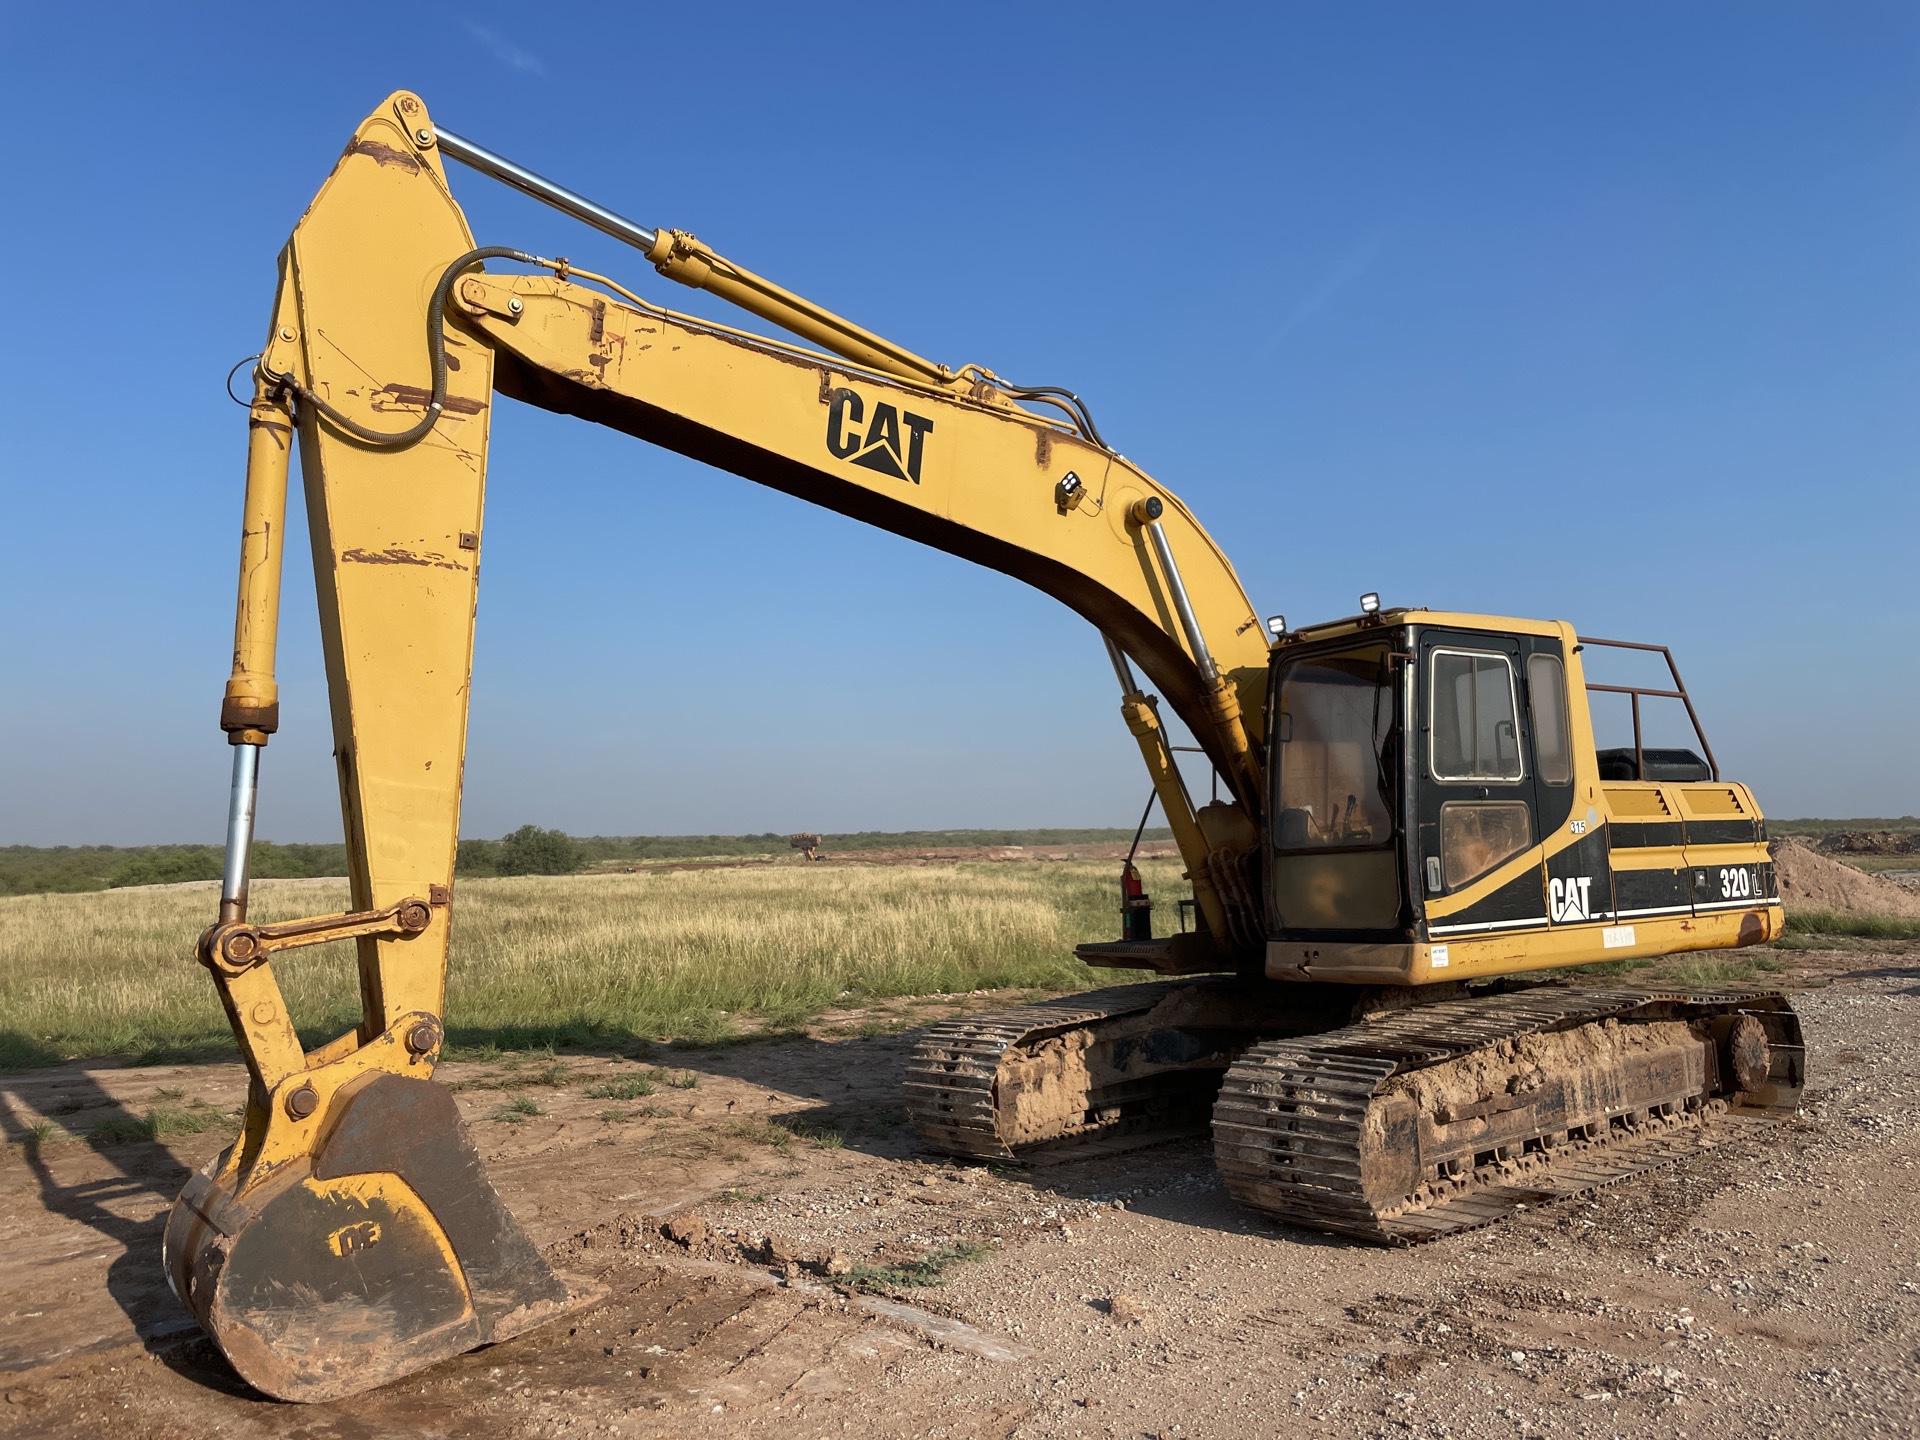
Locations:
column 1335, row 785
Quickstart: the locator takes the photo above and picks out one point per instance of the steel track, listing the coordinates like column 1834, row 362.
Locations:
column 950, row 1080
column 1289, row 1117
column 1289, row 1120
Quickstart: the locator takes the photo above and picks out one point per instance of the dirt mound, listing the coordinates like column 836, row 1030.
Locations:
column 1810, row 881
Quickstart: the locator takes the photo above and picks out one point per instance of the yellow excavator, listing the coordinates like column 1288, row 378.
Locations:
column 1414, row 820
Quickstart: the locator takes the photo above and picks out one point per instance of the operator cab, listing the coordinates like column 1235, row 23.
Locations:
column 1410, row 754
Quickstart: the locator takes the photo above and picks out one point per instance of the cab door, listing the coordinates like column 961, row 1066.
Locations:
column 1477, row 811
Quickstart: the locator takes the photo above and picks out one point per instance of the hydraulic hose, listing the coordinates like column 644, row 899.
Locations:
column 436, row 350
column 1063, row 399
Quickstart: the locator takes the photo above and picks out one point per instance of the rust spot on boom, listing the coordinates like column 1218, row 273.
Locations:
column 417, row 398
column 384, row 155
column 394, row 555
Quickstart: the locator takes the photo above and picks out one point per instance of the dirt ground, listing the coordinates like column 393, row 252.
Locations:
column 1769, row 1286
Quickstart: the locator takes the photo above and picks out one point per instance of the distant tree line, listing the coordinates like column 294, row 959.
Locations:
column 599, row 849
column 530, row 850
column 527, row 851
column 1834, row 827
column 65, row 869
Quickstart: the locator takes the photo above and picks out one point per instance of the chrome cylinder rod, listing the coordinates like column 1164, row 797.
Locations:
column 246, row 784
column 1120, row 666
column 478, row 157
column 1181, row 604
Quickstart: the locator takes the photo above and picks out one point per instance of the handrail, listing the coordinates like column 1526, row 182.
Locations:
column 1679, row 692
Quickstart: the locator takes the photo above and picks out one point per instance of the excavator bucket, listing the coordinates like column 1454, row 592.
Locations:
column 385, row 1251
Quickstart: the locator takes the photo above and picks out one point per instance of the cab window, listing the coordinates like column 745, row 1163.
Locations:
column 1477, row 835
column 1474, row 720
column 1335, row 786
column 1547, row 691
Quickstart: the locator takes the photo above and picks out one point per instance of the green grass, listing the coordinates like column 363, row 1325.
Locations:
column 760, row 1132
column 616, row 1115
column 928, row 1270
column 627, row 1087
column 1692, row 971
column 157, row 1123
column 521, row 1107
column 1876, row 864
column 44, row 1132
column 1705, row 972
column 615, row 963
column 553, row 1075
column 1871, row 927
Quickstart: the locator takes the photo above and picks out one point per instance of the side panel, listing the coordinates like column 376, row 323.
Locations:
column 1731, row 866
column 1648, row 842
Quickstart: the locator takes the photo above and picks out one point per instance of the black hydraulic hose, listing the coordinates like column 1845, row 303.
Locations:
column 436, row 350
column 243, row 404
column 1134, row 849
column 1068, row 401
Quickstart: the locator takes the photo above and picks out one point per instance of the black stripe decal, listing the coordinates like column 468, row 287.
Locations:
column 1519, row 899
column 1652, row 890
column 1634, row 835
column 1721, row 832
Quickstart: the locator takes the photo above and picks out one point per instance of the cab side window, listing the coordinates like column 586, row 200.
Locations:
column 1475, row 718
column 1552, row 744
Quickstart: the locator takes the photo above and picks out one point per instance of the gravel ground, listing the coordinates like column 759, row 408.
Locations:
column 1767, row 1286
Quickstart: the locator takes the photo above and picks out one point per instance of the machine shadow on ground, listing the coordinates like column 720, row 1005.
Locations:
column 144, row 1170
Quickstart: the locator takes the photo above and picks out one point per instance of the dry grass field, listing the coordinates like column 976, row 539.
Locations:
column 618, row 961
column 698, row 954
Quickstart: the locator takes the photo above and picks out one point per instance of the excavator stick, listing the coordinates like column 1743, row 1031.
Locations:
column 350, row 1235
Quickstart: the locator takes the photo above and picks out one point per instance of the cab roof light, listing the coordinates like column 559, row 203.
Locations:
column 1370, row 603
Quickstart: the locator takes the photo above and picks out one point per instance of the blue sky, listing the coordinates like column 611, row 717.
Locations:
column 1603, row 312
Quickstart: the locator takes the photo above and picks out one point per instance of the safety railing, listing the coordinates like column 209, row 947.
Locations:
column 1679, row 692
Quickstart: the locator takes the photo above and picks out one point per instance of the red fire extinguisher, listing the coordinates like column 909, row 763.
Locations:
column 1136, row 906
